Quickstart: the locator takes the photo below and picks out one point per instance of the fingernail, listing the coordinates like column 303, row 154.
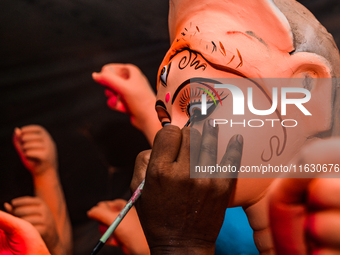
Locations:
column 166, row 124
column 212, row 123
column 240, row 139
column 8, row 207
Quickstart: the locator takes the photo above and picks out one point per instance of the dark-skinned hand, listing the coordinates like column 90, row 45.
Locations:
column 179, row 214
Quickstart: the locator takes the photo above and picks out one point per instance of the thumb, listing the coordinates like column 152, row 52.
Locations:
column 103, row 214
column 17, row 144
column 141, row 164
column 117, row 205
column 106, row 211
column 9, row 223
column 17, row 140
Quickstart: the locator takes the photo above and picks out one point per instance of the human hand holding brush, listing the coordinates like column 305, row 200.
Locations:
column 179, row 214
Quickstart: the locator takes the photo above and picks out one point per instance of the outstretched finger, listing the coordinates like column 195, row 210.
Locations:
column 114, row 76
column 232, row 157
column 26, row 210
column 33, row 145
column 32, row 129
column 190, row 145
column 31, row 137
column 26, row 200
column 208, row 149
column 102, row 214
column 34, row 154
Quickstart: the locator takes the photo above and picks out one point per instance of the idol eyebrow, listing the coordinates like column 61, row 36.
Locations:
column 179, row 89
column 192, row 80
column 216, row 66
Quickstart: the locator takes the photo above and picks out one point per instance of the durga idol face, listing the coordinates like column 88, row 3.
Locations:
column 202, row 55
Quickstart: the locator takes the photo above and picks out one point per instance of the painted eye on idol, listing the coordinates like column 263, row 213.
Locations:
column 164, row 74
column 199, row 102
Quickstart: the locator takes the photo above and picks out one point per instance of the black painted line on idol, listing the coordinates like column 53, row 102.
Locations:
column 238, row 73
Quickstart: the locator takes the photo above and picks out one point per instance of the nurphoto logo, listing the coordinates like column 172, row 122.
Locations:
column 238, row 100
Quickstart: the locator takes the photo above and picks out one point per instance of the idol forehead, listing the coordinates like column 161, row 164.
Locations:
column 245, row 58
column 258, row 16
column 220, row 30
column 228, row 52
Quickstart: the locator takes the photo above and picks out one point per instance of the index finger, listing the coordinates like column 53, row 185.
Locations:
column 208, row 153
column 233, row 155
column 190, row 145
column 32, row 129
column 21, row 201
column 166, row 145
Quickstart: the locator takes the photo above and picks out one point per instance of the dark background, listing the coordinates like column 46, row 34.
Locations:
column 48, row 50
